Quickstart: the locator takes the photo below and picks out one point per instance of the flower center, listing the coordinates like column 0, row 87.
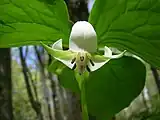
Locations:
column 81, row 61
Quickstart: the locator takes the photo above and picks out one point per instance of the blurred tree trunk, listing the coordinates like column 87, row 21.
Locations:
column 156, row 77
column 45, row 103
column 58, row 111
column 56, row 103
column 5, row 85
column 78, row 10
column 59, row 101
column 35, row 104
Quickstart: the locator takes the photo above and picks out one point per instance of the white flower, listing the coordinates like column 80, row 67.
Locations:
column 82, row 48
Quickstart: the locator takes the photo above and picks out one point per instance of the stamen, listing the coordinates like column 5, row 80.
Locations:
column 88, row 69
column 91, row 62
column 82, row 58
column 73, row 60
column 74, row 66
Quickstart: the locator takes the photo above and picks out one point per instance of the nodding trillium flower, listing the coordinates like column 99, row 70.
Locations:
column 82, row 48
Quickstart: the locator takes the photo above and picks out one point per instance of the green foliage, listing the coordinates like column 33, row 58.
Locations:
column 67, row 79
column 129, row 24
column 126, row 24
column 65, row 76
column 110, row 89
column 26, row 22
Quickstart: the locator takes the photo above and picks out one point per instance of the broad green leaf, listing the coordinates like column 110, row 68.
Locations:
column 112, row 88
column 65, row 76
column 47, row 1
column 129, row 24
column 55, row 66
column 60, row 10
column 26, row 22
column 67, row 80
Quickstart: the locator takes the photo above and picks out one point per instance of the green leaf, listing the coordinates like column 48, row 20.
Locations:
column 26, row 22
column 65, row 76
column 67, row 80
column 112, row 87
column 129, row 24
column 55, row 66
column 47, row 1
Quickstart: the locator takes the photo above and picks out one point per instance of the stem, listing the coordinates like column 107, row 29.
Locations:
column 83, row 102
column 82, row 81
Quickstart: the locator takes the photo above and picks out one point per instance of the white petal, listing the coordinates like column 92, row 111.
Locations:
column 119, row 55
column 98, row 61
column 63, row 56
column 66, row 62
column 83, row 37
column 58, row 45
column 107, row 52
column 97, row 65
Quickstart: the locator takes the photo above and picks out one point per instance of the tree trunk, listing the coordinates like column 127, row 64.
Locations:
column 156, row 77
column 35, row 104
column 5, row 85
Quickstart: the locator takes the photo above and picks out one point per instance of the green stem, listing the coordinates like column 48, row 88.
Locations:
column 83, row 102
column 82, row 81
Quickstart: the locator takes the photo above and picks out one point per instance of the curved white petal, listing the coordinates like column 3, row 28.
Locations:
column 63, row 56
column 83, row 37
column 97, row 65
column 66, row 62
column 58, row 45
column 98, row 61
column 107, row 52
column 119, row 55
